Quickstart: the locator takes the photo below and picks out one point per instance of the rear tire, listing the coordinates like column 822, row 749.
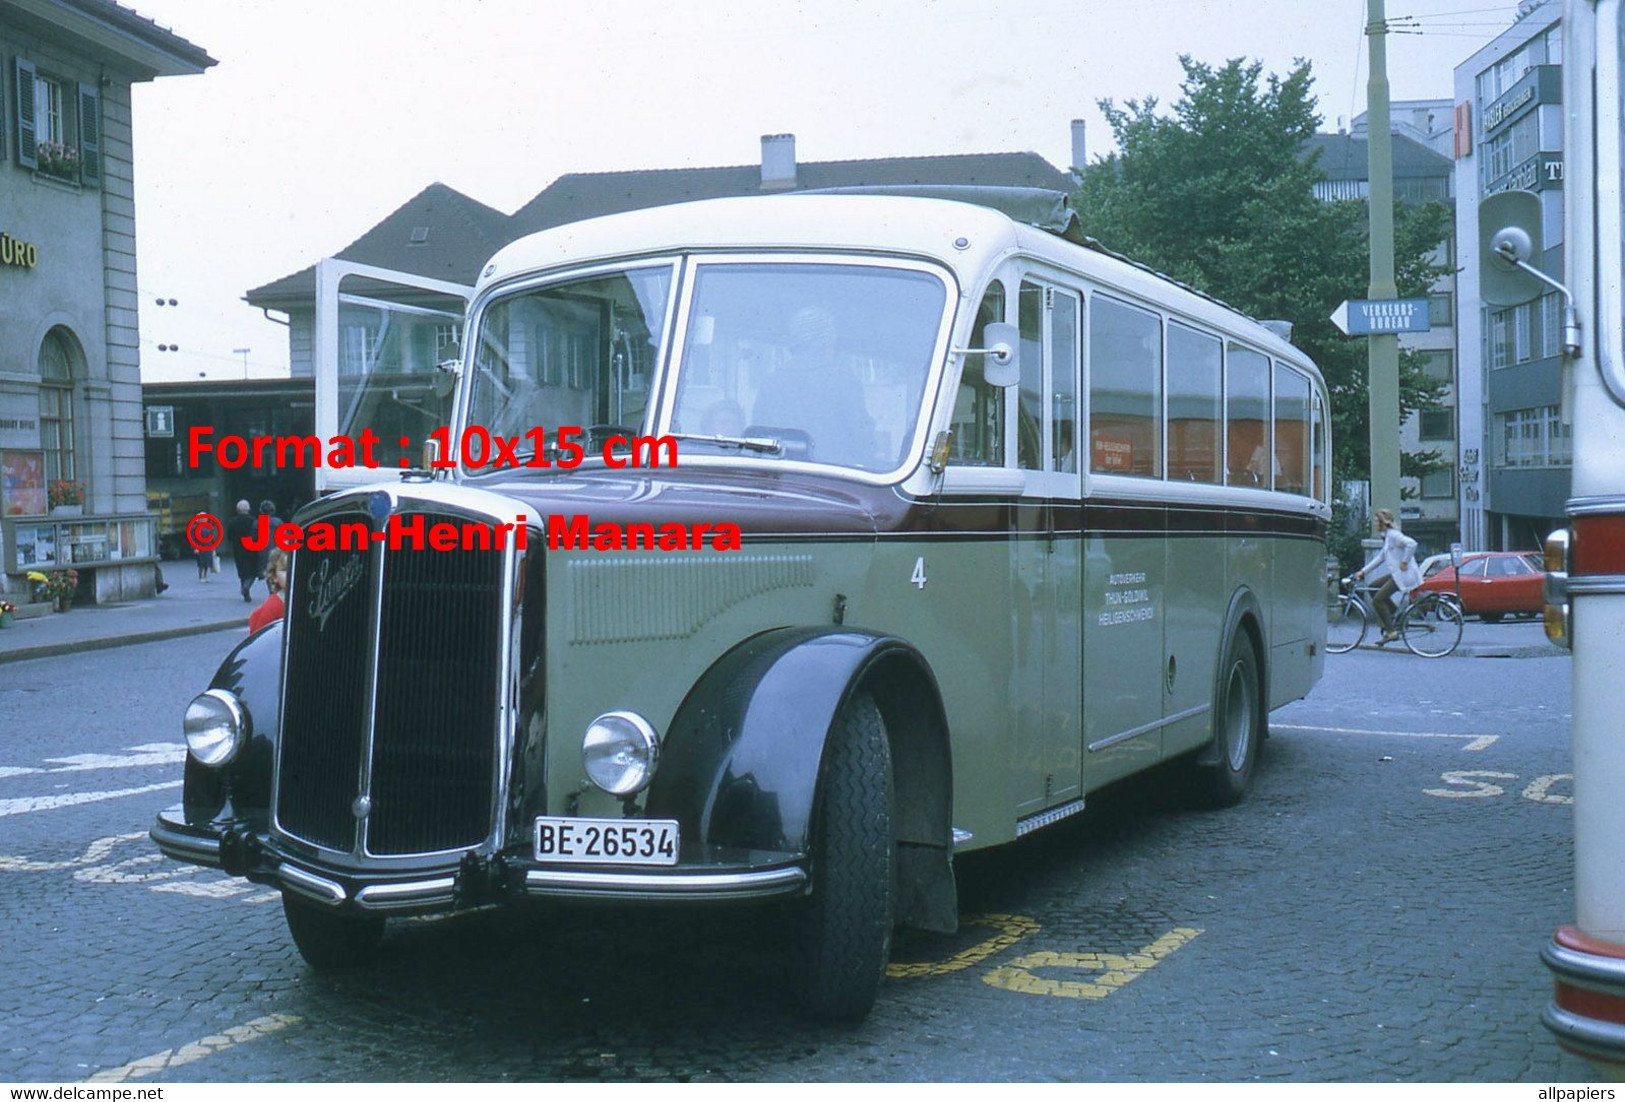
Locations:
column 329, row 940
column 841, row 934
column 1238, row 728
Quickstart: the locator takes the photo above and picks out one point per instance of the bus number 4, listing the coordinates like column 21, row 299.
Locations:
column 918, row 577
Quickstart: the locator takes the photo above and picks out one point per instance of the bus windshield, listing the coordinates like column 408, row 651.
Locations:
column 577, row 353
column 819, row 362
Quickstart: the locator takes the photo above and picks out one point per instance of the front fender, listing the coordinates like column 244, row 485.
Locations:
column 252, row 672
column 740, row 762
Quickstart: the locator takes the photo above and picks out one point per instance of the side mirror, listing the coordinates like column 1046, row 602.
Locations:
column 1003, row 360
column 445, row 377
column 1508, row 233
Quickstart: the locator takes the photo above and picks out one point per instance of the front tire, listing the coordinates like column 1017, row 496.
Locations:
column 1238, row 727
column 841, row 934
column 332, row 941
column 1346, row 626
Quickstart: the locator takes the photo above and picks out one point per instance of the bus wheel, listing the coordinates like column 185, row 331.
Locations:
column 841, row 933
column 1238, row 728
column 330, row 941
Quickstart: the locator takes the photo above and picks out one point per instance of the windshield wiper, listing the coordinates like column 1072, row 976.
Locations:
column 743, row 443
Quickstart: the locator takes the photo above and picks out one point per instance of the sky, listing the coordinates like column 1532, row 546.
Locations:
column 323, row 116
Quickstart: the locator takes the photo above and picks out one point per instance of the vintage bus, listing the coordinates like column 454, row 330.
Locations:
column 1015, row 519
column 1585, row 597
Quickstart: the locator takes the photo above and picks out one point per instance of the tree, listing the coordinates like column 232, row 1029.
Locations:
column 1220, row 195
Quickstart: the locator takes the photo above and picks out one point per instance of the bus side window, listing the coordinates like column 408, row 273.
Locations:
column 1291, row 430
column 1249, row 458
column 1125, row 389
column 1195, row 405
column 978, row 419
column 1030, row 400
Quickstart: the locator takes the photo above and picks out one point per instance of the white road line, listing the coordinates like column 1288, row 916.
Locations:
column 150, row 753
column 1474, row 742
column 22, row 805
column 148, row 1066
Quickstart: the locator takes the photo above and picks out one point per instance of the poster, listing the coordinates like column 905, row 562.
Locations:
column 22, row 483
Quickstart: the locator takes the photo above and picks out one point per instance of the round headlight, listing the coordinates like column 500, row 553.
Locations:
column 216, row 727
column 620, row 752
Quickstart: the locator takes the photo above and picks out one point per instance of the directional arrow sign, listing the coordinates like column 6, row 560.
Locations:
column 1362, row 317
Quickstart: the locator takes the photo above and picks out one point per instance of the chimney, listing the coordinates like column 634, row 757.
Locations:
column 778, row 162
column 1080, row 149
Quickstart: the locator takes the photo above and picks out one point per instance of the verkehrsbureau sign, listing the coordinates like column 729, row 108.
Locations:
column 1362, row 317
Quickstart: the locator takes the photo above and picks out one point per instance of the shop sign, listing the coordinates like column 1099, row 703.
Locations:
column 1538, row 173
column 160, row 420
column 1498, row 112
column 17, row 254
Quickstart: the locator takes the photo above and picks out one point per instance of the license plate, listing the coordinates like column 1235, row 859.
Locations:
column 607, row 841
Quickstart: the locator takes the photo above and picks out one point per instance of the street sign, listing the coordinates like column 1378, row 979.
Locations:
column 1362, row 317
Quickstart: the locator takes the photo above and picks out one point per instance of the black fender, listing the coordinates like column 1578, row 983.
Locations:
column 1244, row 618
column 741, row 761
column 252, row 672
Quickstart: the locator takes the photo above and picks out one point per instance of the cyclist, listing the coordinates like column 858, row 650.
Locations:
column 1396, row 557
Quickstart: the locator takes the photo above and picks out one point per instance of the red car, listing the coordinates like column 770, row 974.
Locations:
column 1493, row 584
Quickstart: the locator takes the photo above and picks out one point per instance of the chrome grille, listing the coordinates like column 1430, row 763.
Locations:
column 433, row 723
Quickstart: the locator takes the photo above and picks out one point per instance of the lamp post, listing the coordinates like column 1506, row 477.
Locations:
column 243, row 352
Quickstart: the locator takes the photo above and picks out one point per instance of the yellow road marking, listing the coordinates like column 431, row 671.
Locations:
column 1538, row 789
column 1115, row 969
column 1471, row 788
column 1474, row 742
column 148, row 1066
column 1011, row 929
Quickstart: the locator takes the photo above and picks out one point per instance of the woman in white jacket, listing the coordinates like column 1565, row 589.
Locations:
column 1398, row 557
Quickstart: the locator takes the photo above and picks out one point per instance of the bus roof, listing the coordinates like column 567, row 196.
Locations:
column 969, row 238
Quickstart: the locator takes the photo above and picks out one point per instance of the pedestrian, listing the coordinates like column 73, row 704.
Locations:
column 205, row 564
column 263, row 562
column 1396, row 556
column 239, row 530
column 276, row 580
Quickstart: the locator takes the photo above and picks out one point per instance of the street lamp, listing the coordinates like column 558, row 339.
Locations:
column 243, row 352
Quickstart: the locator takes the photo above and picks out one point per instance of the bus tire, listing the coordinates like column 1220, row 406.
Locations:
column 331, row 941
column 841, row 933
column 1238, row 727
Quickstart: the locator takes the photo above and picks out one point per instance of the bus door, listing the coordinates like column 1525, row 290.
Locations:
column 1125, row 538
column 1048, row 641
column 384, row 354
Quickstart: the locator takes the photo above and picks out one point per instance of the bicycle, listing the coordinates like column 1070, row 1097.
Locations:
column 1430, row 626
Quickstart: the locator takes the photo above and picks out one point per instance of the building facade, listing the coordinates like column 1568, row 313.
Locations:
column 1508, row 134
column 72, row 465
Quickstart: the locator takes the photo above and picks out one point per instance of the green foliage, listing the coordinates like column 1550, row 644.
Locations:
column 1218, row 193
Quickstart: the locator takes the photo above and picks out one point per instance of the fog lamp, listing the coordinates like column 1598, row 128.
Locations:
column 619, row 752
column 216, row 727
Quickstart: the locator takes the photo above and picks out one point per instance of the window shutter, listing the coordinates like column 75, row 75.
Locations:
column 27, row 140
column 90, row 133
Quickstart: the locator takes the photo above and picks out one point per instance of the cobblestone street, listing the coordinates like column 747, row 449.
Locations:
column 1373, row 911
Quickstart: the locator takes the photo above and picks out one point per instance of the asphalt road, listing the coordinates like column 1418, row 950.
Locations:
column 1373, row 912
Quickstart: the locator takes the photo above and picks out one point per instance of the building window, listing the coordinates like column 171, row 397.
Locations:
column 1438, row 424
column 1533, row 438
column 58, row 125
column 1439, row 366
column 1439, row 484
column 1440, row 310
column 56, row 360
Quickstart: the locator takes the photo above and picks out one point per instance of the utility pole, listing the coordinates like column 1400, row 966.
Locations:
column 1381, row 348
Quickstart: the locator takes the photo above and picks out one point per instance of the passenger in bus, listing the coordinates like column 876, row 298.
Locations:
column 815, row 392
column 1398, row 557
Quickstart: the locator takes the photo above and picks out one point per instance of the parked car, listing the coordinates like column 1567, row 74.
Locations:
column 1493, row 584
